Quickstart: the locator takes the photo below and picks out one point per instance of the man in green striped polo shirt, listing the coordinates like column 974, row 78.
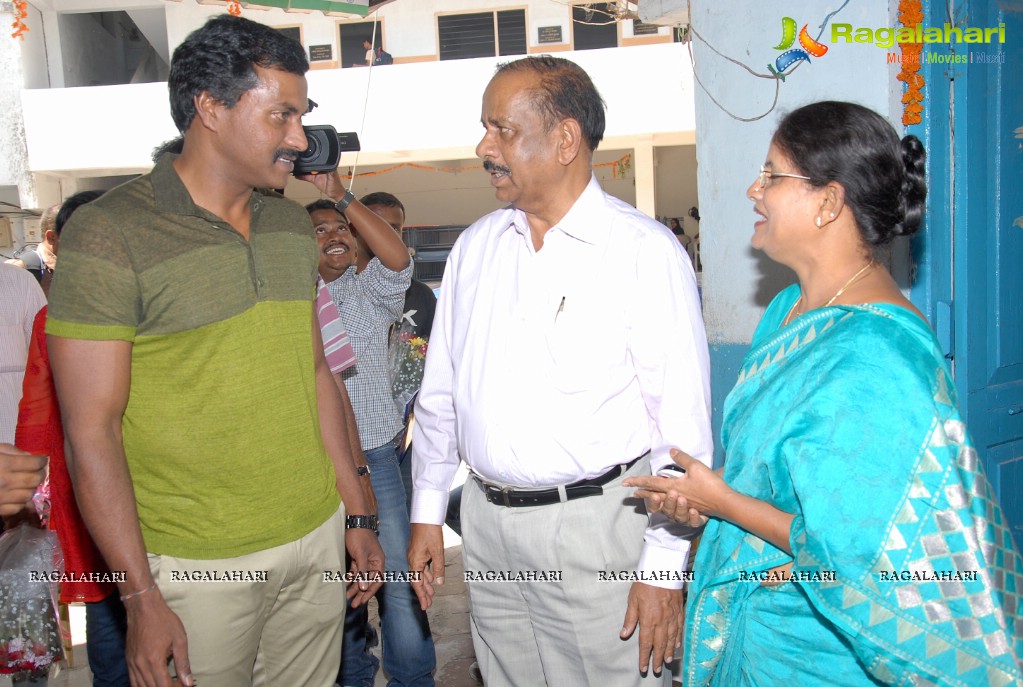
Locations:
column 207, row 433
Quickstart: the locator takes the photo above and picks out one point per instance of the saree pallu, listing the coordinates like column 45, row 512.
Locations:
column 904, row 569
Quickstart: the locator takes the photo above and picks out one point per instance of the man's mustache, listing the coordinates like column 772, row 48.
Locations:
column 491, row 166
column 286, row 154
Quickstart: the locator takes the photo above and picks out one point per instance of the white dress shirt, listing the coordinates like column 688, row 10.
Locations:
column 20, row 299
column 552, row 366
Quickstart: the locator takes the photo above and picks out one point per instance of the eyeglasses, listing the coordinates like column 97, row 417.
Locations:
column 767, row 174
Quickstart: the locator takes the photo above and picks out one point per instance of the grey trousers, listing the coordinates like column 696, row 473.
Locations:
column 559, row 633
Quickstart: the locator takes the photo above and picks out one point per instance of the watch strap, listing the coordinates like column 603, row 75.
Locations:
column 366, row 522
column 345, row 201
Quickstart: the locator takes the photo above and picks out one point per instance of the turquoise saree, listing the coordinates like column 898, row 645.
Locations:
column 905, row 572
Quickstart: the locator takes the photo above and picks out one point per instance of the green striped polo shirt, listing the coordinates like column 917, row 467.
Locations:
column 221, row 429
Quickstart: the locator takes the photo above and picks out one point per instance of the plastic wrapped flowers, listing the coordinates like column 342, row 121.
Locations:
column 407, row 357
column 30, row 638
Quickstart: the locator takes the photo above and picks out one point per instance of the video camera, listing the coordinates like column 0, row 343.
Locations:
column 325, row 148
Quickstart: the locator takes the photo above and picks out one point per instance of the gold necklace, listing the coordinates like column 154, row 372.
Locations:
column 795, row 311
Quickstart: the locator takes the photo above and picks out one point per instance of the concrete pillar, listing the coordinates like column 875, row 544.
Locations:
column 13, row 150
column 643, row 166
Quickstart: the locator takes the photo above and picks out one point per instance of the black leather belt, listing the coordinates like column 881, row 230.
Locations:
column 519, row 498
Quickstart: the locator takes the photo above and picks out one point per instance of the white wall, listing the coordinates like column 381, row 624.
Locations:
column 407, row 116
column 13, row 158
column 33, row 51
column 738, row 283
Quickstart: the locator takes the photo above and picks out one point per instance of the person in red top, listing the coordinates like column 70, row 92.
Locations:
column 39, row 431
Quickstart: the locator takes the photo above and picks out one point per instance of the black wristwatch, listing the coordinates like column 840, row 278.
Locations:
column 365, row 522
column 345, row 201
column 362, row 470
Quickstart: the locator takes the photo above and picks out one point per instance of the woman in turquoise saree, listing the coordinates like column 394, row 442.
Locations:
column 853, row 538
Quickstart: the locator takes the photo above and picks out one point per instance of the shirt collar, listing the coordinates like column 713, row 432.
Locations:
column 172, row 196
column 169, row 191
column 48, row 257
column 585, row 221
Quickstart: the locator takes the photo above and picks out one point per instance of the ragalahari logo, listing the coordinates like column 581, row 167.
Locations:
column 809, row 47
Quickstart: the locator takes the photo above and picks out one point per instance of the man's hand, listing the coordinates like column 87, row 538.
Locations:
column 20, row 474
column 426, row 557
column 155, row 634
column 659, row 614
column 367, row 559
column 329, row 183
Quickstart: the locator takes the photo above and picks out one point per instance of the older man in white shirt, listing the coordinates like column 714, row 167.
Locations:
column 568, row 352
column 20, row 299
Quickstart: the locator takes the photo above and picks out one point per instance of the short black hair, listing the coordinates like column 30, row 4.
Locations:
column 388, row 200
column 219, row 58
column 174, row 146
column 883, row 176
column 71, row 204
column 322, row 204
column 565, row 91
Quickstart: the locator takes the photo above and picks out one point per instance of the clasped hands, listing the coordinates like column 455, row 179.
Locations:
column 690, row 498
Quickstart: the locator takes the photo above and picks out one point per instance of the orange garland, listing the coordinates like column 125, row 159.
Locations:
column 621, row 167
column 234, row 8
column 19, row 25
column 910, row 15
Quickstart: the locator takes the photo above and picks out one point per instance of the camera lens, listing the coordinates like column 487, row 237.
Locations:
column 312, row 151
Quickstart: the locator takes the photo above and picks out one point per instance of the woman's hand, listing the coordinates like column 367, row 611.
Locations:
column 690, row 498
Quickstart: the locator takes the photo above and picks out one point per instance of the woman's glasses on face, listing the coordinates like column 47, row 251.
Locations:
column 767, row 174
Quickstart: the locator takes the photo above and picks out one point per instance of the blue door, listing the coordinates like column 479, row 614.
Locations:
column 971, row 260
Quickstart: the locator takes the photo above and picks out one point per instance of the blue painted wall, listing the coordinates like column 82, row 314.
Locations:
column 725, row 360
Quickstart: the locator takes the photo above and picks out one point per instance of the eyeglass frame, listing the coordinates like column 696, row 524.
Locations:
column 766, row 174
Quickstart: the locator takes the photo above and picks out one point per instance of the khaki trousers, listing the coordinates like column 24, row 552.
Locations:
column 563, row 634
column 285, row 630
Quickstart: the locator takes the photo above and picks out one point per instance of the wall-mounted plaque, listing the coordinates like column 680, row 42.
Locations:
column 320, row 53
column 549, row 34
column 641, row 29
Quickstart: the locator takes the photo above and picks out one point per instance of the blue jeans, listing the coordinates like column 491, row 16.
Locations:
column 405, row 465
column 106, row 626
column 408, row 652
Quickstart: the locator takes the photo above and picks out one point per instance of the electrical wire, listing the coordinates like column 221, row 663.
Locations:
column 777, row 77
column 365, row 101
column 18, row 211
column 622, row 11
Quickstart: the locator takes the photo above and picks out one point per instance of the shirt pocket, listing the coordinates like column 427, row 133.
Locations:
column 582, row 348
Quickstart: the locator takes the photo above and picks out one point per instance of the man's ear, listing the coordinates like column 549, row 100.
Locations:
column 569, row 137
column 208, row 110
column 50, row 236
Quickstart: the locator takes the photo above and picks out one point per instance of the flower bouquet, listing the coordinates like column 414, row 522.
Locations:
column 407, row 359
column 30, row 638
